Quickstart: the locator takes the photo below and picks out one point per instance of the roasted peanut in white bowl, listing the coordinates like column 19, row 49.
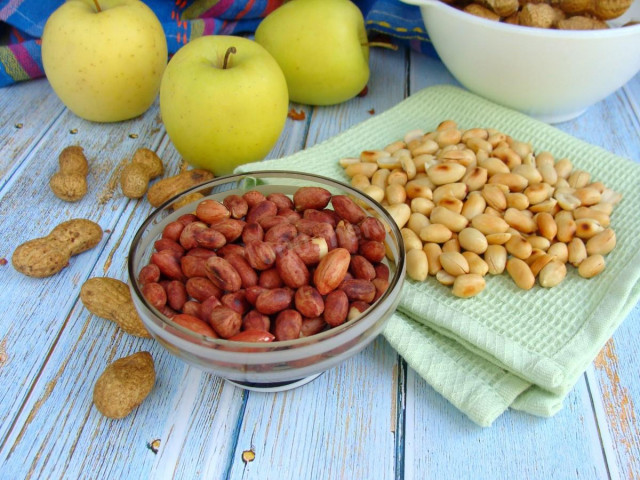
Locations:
column 552, row 75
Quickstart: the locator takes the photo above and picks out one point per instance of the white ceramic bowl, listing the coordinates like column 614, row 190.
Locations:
column 551, row 75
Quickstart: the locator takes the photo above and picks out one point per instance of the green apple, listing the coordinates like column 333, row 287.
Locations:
column 321, row 46
column 223, row 101
column 104, row 58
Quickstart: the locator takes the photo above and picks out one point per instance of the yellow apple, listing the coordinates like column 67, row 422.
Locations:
column 223, row 101
column 104, row 58
column 321, row 46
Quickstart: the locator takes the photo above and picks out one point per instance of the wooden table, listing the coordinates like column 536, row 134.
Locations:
column 370, row 418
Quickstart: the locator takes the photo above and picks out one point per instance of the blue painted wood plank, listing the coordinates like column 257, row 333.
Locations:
column 614, row 377
column 348, row 423
column 441, row 442
column 37, row 310
column 22, row 125
column 342, row 424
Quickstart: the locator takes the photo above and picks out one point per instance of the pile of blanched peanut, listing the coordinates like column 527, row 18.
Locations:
column 476, row 202
column 560, row 14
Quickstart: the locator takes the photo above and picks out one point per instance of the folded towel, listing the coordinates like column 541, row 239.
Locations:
column 505, row 347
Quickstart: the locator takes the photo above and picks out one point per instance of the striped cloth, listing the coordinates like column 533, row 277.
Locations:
column 22, row 23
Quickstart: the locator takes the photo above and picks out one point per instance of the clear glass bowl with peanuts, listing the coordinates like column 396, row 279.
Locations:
column 550, row 59
column 267, row 279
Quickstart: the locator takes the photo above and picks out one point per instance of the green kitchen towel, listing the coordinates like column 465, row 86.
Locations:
column 505, row 347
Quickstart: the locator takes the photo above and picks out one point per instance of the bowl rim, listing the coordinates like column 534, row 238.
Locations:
column 613, row 32
column 203, row 341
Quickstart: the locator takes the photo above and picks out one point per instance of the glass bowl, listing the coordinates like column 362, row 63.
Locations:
column 277, row 365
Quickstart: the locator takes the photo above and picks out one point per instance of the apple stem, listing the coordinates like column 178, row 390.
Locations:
column 388, row 45
column 97, row 5
column 229, row 51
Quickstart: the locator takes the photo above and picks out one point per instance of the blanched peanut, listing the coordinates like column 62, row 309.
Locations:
column 544, row 158
column 567, row 201
column 482, row 197
column 411, row 239
column 443, row 173
column 360, row 182
column 419, row 187
column 456, row 190
column 587, row 228
column 546, row 206
column 519, row 220
column 489, row 224
column 496, row 258
column 433, row 252
column 394, row 146
column 454, row 263
column 577, row 252
column 451, row 203
column 591, row 266
column 374, row 192
column 559, row 250
column 422, row 205
column 379, row 178
column 362, row 168
column 445, row 278
column 493, row 166
column 476, row 263
column 397, row 176
column 539, row 262
column 521, row 274
column 473, row 240
column 579, row 179
column 494, row 196
column 450, row 219
column 546, row 225
column 515, row 182
column 552, row 274
column 417, row 221
column 452, row 245
column 517, row 200
column 475, row 178
column 372, row 156
column 395, row 193
column 602, row 243
column 592, row 212
column 474, row 205
column 519, row 247
column 566, row 229
column 400, row 213
column 563, row 167
column 587, row 196
column 436, row 233
column 529, row 172
column 417, row 264
column 549, row 174
column 468, row 285
column 498, row 238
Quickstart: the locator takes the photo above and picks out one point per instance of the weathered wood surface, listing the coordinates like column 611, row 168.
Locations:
column 370, row 418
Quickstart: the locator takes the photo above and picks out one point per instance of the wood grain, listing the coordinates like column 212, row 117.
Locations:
column 370, row 417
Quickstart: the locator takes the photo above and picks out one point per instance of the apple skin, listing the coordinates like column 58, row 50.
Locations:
column 321, row 46
column 104, row 66
column 218, row 118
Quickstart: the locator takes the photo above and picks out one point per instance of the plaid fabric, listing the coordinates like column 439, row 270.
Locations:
column 22, row 23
